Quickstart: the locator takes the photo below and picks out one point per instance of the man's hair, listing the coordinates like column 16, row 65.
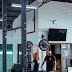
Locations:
column 35, row 53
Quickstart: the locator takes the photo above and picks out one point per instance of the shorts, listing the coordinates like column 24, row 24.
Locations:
column 49, row 71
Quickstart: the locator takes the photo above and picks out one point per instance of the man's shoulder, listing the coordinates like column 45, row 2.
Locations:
column 54, row 57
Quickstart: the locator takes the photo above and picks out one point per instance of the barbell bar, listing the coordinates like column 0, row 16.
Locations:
column 43, row 45
column 38, row 45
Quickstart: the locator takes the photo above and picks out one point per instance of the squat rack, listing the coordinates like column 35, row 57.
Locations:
column 23, row 34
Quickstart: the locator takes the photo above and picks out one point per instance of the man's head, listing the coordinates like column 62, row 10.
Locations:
column 49, row 52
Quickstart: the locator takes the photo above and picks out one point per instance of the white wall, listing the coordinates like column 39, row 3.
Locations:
column 59, row 11
column 9, row 37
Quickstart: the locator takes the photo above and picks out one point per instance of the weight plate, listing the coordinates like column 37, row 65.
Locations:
column 44, row 44
column 29, row 45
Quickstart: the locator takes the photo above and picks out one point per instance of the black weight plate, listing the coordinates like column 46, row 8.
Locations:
column 44, row 44
column 29, row 45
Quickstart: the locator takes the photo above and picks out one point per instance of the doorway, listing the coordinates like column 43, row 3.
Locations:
column 56, row 51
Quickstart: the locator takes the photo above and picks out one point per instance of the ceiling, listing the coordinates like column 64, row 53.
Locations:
column 12, row 12
column 69, row 1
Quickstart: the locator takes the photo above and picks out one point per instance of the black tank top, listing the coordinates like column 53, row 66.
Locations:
column 36, row 66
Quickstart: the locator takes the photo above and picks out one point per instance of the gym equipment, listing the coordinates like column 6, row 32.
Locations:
column 29, row 45
column 43, row 45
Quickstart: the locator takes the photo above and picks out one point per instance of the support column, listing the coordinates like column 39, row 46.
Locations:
column 23, row 35
column 4, row 23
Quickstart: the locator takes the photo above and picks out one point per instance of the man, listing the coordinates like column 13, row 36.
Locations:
column 51, row 62
column 36, row 60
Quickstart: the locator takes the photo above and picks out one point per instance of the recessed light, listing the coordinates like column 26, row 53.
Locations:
column 1, row 20
column 27, row 6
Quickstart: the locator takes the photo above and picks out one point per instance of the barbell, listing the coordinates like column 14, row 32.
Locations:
column 43, row 45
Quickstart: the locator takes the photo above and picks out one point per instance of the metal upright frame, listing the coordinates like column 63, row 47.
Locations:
column 23, row 35
column 4, row 26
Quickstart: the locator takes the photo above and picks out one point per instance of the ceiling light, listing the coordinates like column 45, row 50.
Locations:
column 6, row 52
column 27, row 6
column 31, row 7
column 1, row 20
column 16, row 5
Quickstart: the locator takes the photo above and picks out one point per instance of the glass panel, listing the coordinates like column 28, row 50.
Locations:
column 65, row 55
column 1, row 59
column 9, row 57
column 20, row 53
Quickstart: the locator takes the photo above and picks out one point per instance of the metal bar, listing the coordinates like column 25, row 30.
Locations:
column 18, row 55
column 9, row 16
column 30, row 32
column 14, row 11
column 14, row 28
column 9, row 12
column 19, row 28
column 4, row 16
column 7, row 22
column 34, row 20
column 23, row 35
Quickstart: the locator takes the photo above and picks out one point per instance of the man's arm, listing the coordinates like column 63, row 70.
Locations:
column 38, row 52
column 32, row 49
column 32, row 52
column 55, row 65
column 43, row 63
column 38, row 58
